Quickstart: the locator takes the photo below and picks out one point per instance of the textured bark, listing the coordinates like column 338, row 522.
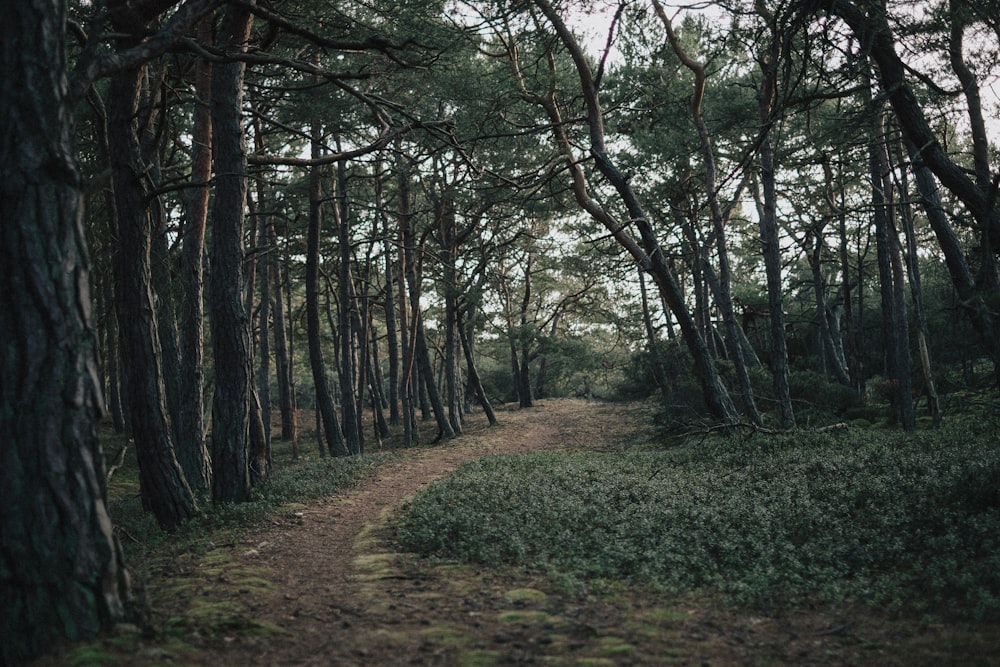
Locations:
column 230, row 331
column 61, row 572
column 916, row 288
column 282, row 351
column 389, row 306
column 164, row 490
column 192, row 450
column 448, row 253
column 411, row 433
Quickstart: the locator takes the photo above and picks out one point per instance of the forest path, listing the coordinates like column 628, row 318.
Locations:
column 339, row 593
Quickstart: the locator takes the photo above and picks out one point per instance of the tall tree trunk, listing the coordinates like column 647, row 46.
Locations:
column 470, row 360
column 894, row 322
column 423, row 357
column 411, row 434
column 229, row 320
column 916, row 289
column 62, row 575
column 351, row 422
column 768, row 223
column 391, row 328
column 523, row 369
column 324, row 402
column 264, row 323
column 282, row 351
column 164, row 489
column 448, row 245
column 191, row 447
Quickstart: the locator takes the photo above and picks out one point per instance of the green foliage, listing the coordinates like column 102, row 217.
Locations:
column 819, row 399
column 906, row 521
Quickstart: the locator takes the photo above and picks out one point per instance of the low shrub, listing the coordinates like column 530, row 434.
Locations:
column 911, row 522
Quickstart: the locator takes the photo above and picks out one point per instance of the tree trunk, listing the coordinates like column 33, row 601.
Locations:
column 474, row 380
column 770, row 246
column 873, row 28
column 191, row 447
column 62, row 575
column 229, row 319
column 351, row 421
column 391, row 328
column 894, row 322
column 324, row 402
column 448, row 245
column 916, row 289
column 655, row 357
column 407, row 389
column 264, row 322
column 164, row 490
column 282, row 353
column 724, row 296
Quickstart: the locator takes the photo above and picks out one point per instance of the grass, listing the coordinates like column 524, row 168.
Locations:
column 909, row 522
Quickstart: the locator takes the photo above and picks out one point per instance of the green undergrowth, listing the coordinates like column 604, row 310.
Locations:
column 910, row 522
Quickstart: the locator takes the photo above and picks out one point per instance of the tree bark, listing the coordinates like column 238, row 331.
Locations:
column 282, row 353
column 62, row 576
column 349, row 378
column 163, row 487
column 916, row 289
column 324, row 402
column 768, row 222
column 411, row 433
column 191, row 447
column 230, row 331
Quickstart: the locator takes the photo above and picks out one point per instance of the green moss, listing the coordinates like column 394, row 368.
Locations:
column 525, row 595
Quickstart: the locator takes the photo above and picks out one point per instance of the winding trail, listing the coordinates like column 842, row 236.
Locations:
column 324, row 585
column 340, row 594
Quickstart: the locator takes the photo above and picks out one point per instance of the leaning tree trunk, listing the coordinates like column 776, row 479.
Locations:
column 229, row 320
column 62, row 575
column 164, row 489
column 648, row 251
column 916, row 289
column 724, row 294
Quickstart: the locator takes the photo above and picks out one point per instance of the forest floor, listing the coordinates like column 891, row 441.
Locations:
column 325, row 584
